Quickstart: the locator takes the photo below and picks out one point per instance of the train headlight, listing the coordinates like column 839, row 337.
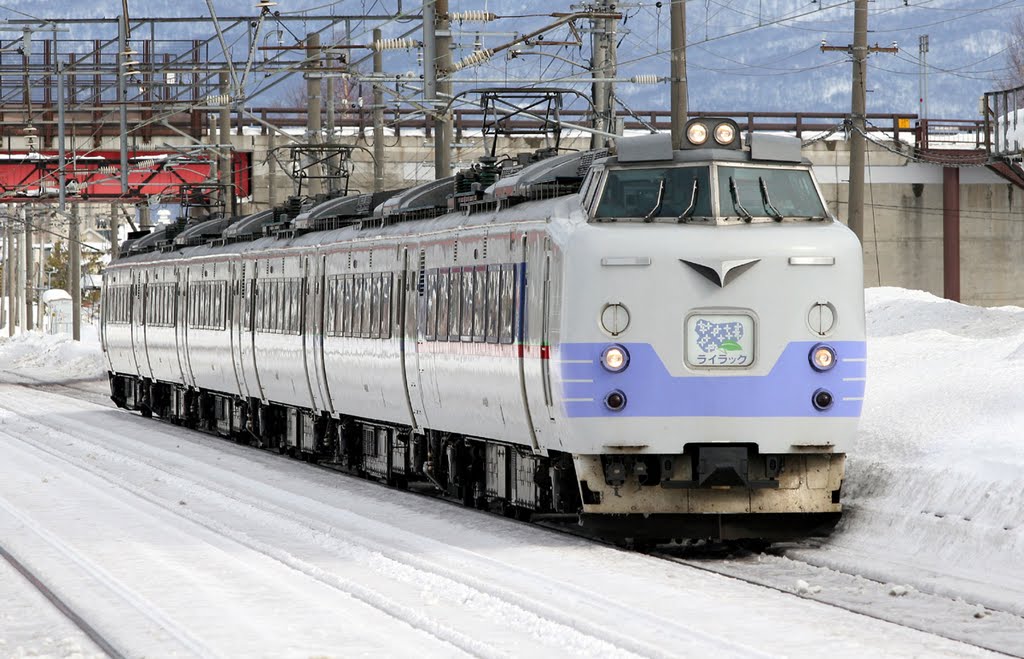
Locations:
column 725, row 133
column 697, row 133
column 823, row 357
column 615, row 358
column 615, row 401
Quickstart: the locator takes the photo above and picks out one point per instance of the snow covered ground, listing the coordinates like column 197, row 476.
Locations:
column 178, row 543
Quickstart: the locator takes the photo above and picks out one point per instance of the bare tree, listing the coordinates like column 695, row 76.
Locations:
column 1014, row 74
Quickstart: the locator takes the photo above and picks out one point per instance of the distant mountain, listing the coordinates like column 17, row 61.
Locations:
column 763, row 56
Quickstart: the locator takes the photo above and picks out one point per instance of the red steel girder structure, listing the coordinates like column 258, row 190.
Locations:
column 35, row 176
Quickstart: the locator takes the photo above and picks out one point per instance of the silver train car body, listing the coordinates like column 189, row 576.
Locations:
column 667, row 344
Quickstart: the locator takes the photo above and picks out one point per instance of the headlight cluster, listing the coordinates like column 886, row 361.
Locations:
column 723, row 131
column 615, row 359
column 822, row 358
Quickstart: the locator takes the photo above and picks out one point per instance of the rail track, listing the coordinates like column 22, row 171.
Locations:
column 377, row 547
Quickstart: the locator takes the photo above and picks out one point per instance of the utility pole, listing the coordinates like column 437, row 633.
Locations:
column 858, row 110
column 922, row 49
column 6, row 281
column 680, row 111
column 443, row 127
column 28, row 270
column 223, row 155
column 858, row 106
column 14, row 296
column 603, row 67
column 313, row 124
column 122, row 97
column 378, row 116
column 115, row 228
column 75, row 251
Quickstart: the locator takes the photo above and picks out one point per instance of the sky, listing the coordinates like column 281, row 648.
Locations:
column 171, row 541
column 741, row 55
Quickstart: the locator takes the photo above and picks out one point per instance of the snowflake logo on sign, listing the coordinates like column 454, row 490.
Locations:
column 718, row 336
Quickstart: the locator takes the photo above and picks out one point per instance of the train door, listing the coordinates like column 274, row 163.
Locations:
column 186, row 307
column 316, row 313
column 308, row 290
column 137, row 314
column 235, row 323
column 413, row 278
column 179, row 322
column 247, row 333
column 534, row 300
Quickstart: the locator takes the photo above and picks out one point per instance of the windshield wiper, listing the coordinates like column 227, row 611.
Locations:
column 693, row 203
column 736, row 205
column 657, row 206
column 772, row 210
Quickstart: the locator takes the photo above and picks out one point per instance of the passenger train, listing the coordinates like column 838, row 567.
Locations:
column 657, row 343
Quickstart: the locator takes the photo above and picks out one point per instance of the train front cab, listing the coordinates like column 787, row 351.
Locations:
column 719, row 386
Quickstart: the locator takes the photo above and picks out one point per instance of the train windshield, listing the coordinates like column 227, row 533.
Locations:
column 665, row 192
column 767, row 192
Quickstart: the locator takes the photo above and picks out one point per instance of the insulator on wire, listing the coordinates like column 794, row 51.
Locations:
column 474, row 58
column 218, row 99
column 645, row 79
column 394, row 44
column 475, row 16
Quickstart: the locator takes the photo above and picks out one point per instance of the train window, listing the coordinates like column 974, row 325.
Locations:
column 790, row 191
column 246, row 305
column 291, row 303
column 375, row 306
column 282, row 306
column 329, row 311
column 339, row 303
column 454, row 304
column 298, row 297
column 480, row 305
column 634, row 193
column 273, row 302
column 430, row 317
column 366, row 289
column 217, row 293
column 347, row 305
column 385, row 306
column 467, row 305
column 507, row 303
column 442, row 305
column 357, row 305
column 493, row 294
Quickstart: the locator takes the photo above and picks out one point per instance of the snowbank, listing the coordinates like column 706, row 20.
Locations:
column 51, row 357
column 936, row 480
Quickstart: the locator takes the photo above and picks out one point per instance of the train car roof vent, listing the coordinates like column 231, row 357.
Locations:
column 644, row 148
column 552, row 177
column 341, row 212
column 146, row 242
column 249, row 227
column 419, row 203
column 197, row 234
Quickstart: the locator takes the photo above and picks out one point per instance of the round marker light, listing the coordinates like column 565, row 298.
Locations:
column 725, row 133
column 615, row 401
column 823, row 357
column 697, row 133
column 822, row 400
column 615, row 358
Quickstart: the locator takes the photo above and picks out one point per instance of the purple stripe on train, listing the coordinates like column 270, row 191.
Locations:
column 651, row 390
